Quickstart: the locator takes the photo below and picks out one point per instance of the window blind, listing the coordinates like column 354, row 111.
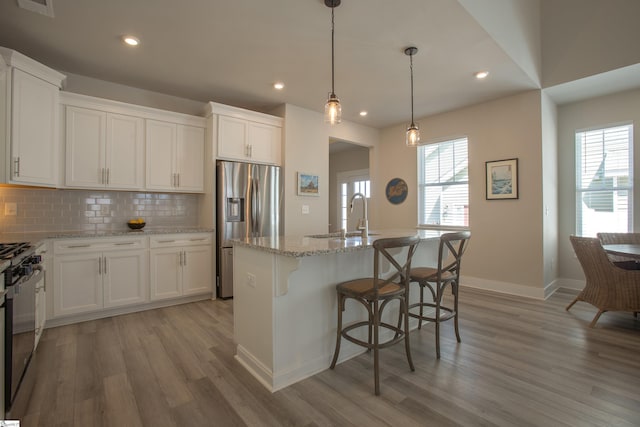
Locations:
column 604, row 180
column 443, row 184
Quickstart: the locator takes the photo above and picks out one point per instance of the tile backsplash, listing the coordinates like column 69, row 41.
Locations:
column 90, row 210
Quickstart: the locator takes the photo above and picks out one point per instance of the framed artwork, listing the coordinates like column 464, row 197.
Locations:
column 307, row 184
column 502, row 179
column 396, row 191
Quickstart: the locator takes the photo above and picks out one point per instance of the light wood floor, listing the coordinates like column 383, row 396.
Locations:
column 521, row 363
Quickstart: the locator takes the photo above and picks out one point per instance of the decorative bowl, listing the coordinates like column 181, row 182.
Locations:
column 136, row 225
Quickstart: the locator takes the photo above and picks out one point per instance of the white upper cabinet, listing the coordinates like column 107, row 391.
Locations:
column 120, row 146
column 175, row 157
column 104, row 150
column 29, row 96
column 245, row 135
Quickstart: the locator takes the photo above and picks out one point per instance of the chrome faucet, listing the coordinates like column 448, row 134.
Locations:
column 363, row 223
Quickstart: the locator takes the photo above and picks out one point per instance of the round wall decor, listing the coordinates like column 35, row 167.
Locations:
column 396, row 191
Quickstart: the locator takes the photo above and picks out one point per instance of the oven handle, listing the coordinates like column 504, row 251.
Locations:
column 33, row 278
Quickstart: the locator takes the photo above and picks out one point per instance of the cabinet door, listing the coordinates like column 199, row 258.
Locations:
column 232, row 138
column 41, row 308
column 190, row 159
column 264, row 143
column 34, row 147
column 85, row 147
column 78, row 284
column 161, row 147
column 197, row 267
column 125, row 152
column 165, row 273
column 125, row 278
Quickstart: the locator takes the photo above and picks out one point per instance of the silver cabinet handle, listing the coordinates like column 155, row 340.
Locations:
column 105, row 266
column 185, row 257
column 180, row 258
column 178, row 175
column 198, row 240
column 108, row 177
column 16, row 166
column 124, row 243
column 102, row 176
column 78, row 246
column 100, row 266
column 166, row 241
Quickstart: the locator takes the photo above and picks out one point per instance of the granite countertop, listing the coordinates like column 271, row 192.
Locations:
column 37, row 237
column 301, row 246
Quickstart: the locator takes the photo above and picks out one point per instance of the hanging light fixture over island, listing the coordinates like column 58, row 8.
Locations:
column 413, row 133
column 332, row 109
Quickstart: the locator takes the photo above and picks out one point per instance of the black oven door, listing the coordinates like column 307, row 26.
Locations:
column 20, row 322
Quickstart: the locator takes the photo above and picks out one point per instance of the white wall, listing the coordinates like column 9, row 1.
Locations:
column 506, row 251
column 550, row 210
column 306, row 149
column 602, row 111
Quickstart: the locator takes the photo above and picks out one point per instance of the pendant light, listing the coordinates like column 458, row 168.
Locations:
column 332, row 109
column 413, row 133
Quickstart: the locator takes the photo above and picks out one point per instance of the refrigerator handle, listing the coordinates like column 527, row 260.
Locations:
column 254, row 207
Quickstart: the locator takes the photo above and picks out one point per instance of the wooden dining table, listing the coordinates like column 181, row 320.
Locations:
column 629, row 250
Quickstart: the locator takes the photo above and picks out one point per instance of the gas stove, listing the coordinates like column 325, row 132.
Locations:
column 16, row 252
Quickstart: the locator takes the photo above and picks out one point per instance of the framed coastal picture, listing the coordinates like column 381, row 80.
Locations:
column 307, row 184
column 502, row 179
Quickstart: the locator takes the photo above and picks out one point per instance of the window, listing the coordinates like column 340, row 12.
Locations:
column 443, row 184
column 604, row 180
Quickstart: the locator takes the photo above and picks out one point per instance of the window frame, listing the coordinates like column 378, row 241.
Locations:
column 580, row 190
column 420, row 178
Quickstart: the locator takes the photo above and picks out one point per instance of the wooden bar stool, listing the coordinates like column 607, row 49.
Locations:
column 374, row 293
column 452, row 246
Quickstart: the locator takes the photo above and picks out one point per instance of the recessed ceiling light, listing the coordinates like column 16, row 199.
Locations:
column 278, row 85
column 131, row 40
column 363, row 113
column 482, row 75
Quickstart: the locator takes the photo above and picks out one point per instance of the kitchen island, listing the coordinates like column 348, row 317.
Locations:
column 285, row 301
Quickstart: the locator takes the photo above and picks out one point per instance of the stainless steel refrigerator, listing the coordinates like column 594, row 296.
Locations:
column 249, row 204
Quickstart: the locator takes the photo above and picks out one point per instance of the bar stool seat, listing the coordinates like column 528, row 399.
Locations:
column 374, row 293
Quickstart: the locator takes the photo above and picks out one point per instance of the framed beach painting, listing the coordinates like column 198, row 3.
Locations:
column 502, row 179
column 307, row 184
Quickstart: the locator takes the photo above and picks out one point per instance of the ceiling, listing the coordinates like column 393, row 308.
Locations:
column 232, row 52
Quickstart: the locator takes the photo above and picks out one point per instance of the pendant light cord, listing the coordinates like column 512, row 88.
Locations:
column 411, row 69
column 333, row 92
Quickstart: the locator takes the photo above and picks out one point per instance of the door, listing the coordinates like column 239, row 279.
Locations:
column 264, row 143
column 265, row 199
column 350, row 183
column 233, row 202
column 125, row 152
column 196, row 270
column 78, row 284
column 190, row 158
column 125, row 278
column 85, row 146
column 34, row 147
column 161, row 147
column 166, row 273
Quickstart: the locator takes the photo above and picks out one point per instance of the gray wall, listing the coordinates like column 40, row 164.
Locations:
column 356, row 158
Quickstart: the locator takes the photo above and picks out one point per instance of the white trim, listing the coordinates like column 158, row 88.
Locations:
column 239, row 113
column 15, row 59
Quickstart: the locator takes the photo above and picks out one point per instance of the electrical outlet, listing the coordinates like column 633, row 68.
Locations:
column 10, row 209
column 251, row 280
column 305, row 209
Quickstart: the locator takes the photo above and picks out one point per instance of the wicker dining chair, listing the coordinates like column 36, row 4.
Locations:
column 608, row 287
column 452, row 247
column 621, row 238
column 374, row 293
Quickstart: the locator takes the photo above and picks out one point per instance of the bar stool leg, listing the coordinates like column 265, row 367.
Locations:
column 376, row 373
column 437, row 321
column 407, row 347
column 455, row 307
column 339, row 330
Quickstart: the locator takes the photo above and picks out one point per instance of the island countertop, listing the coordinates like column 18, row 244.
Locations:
column 302, row 246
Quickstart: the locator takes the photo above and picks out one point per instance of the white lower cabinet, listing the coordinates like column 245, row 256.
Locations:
column 90, row 275
column 181, row 265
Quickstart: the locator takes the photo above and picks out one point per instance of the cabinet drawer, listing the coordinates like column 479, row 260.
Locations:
column 172, row 240
column 67, row 246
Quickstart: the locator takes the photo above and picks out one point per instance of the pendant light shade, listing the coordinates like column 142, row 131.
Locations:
column 413, row 133
column 332, row 109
